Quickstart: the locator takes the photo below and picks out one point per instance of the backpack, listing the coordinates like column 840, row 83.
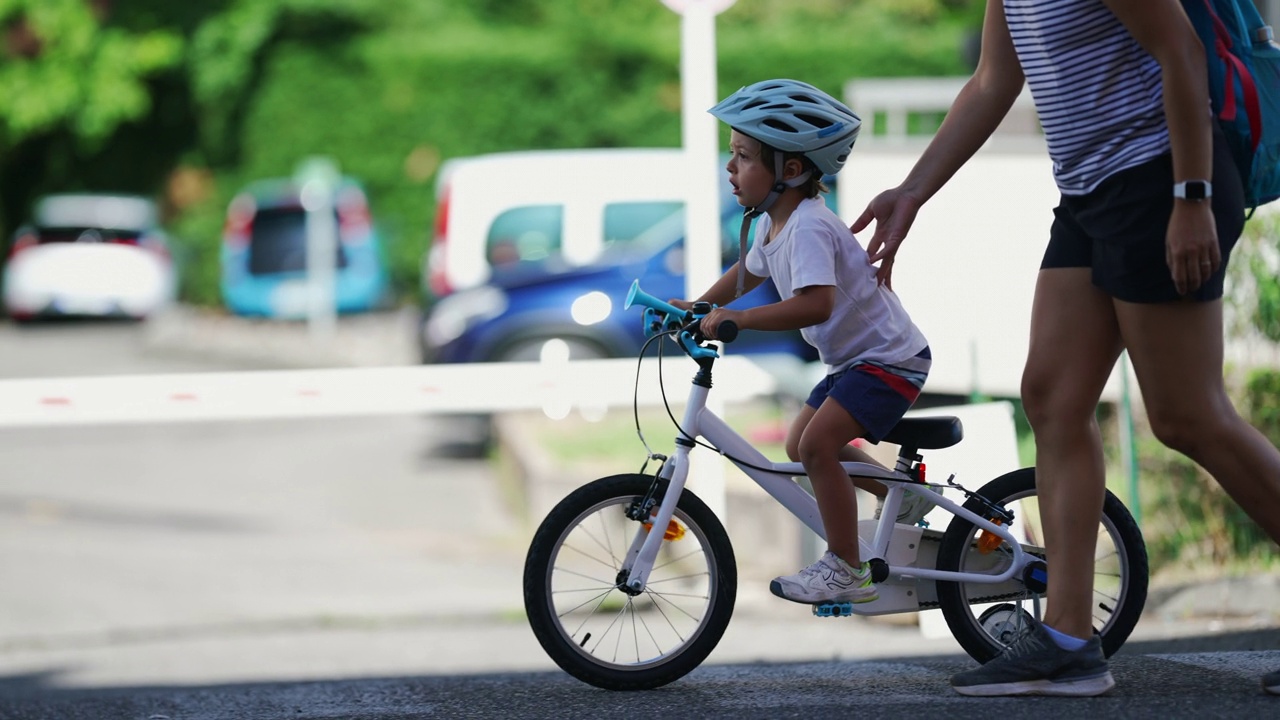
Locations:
column 1244, row 89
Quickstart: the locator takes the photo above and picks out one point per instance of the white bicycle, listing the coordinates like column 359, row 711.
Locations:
column 622, row 607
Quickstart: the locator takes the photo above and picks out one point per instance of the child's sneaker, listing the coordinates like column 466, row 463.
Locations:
column 830, row 579
column 915, row 505
column 1271, row 683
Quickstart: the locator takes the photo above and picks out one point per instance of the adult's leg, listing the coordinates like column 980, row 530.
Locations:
column 1075, row 341
column 828, row 430
column 1176, row 350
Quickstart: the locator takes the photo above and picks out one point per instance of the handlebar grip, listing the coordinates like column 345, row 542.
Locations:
column 727, row 331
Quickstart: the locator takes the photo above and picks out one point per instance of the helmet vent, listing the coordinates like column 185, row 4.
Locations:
column 814, row 120
column 777, row 124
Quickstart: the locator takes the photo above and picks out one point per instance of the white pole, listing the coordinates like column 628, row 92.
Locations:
column 701, row 140
column 318, row 178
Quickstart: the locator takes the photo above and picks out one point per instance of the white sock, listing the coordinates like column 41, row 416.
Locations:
column 1064, row 641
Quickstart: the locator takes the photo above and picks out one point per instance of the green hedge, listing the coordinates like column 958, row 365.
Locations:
column 391, row 102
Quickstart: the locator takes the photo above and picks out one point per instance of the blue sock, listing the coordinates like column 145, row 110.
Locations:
column 1066, row 642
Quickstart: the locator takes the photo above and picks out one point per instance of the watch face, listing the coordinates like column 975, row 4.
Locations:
column 1191, row 190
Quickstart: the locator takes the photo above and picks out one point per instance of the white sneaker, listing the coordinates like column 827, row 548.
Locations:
column 827, row 580
column 914, row 506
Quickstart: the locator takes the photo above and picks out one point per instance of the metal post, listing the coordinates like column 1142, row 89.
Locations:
column 318, row 179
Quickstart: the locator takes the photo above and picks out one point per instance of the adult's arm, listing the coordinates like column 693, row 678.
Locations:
column 1162, row 29
column 976, row 113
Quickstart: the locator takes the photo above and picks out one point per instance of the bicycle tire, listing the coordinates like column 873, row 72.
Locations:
column 604, row 636
column 1120, row 573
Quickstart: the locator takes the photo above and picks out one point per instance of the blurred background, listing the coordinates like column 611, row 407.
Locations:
column 152, row 162
column 188, row 104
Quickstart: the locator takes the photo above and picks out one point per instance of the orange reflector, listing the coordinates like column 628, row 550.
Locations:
column 675, row 531
column 988, row 541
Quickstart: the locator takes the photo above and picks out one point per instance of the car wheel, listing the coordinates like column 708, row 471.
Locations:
column 534, row 349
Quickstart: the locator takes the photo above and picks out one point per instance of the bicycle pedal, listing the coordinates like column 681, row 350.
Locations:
column 829, row 609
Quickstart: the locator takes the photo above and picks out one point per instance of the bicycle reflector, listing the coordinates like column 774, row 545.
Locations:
column 675, row 530
column 988, row 541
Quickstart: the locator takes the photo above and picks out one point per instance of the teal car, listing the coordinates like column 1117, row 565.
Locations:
column 264, row 252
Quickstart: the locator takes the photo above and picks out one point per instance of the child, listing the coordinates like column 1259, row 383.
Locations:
column 786, row 135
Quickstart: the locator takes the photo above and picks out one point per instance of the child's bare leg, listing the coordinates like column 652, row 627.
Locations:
column 848, row 453
column 827, row 430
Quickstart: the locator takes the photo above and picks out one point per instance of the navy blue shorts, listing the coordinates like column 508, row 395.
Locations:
column 874, row 394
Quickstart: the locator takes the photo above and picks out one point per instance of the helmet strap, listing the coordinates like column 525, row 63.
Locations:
column 779, row 186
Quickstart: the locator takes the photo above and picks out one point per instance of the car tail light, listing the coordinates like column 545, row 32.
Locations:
column 24, row 241
column 239, row 220
column 155, row 244
column 353, row 214
column 438, row 281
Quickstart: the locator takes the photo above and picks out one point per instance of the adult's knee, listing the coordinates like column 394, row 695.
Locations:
column 1183, row 429
column 1049, row 404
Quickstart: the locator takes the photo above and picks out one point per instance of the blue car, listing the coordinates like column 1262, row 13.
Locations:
column 264, row 252
column 532, row 307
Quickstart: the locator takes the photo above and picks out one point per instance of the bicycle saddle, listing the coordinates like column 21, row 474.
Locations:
column 926, row 433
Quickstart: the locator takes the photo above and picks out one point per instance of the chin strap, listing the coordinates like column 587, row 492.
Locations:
column 750, row 214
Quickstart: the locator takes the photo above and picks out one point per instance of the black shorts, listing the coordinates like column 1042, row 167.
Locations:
column 1119, row 229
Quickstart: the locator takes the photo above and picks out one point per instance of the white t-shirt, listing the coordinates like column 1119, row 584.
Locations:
column 816, row 248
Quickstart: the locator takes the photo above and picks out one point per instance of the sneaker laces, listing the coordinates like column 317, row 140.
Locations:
column 1024, row 643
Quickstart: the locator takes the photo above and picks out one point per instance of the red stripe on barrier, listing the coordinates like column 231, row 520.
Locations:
column 55, row 401
column 309, row 393
column 183, row 397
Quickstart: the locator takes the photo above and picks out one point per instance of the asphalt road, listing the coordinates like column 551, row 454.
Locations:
column 354, row 568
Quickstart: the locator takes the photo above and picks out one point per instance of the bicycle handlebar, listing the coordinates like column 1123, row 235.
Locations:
column 660, row 315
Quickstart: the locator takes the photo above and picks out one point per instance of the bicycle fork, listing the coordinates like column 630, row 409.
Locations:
column 649, row 537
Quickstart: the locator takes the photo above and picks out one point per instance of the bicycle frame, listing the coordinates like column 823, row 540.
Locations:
column 699, row 421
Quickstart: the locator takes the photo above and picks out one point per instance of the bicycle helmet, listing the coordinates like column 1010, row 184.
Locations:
column 793, row 116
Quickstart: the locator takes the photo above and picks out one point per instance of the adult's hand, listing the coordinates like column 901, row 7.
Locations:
column 1191, row 245
column 893, row 211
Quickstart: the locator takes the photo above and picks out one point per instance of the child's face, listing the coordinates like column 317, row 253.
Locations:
column 750, row 178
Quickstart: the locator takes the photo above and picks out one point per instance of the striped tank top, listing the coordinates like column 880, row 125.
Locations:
column 1098, row 93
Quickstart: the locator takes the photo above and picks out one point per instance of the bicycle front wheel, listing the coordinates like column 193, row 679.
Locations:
column 614, row 639
column 985, row 619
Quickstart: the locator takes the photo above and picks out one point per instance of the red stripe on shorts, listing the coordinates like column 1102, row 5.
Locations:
column 899, row 384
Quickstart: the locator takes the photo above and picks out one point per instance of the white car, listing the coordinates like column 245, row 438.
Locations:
column 89, row 255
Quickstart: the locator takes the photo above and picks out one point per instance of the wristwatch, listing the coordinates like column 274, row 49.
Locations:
column 1193, row 190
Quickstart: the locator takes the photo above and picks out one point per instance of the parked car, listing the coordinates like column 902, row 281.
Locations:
column 498, row 212
column 519, row 311
column 264, row 252
column 543, row 245
column 97, row 255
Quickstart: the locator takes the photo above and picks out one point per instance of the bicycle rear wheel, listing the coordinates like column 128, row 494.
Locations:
column 984, row 619
column 610, row 638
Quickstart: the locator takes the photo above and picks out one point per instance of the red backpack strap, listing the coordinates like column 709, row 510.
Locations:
column 1236, row 68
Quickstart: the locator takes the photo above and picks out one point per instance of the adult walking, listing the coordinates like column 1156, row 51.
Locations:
column 1151, row 207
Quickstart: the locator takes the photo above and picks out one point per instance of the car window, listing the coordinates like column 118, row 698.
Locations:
column 278, row 242
column 526, row 234
column 86, row 235
column 628, row 222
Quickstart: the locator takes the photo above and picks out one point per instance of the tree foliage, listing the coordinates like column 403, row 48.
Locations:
column 210, row 95
column 82, row 76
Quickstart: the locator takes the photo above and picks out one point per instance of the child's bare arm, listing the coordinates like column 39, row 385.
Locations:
column 722, row 290
column 809, row 306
